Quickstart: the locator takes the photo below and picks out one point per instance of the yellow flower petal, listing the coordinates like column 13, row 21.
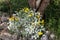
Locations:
column 26, row 10
column 42, row 21
column 30, row 15
column 40, row 33
column 13, row 19
column 16, row 19
column 38, row 16
column 38, row 22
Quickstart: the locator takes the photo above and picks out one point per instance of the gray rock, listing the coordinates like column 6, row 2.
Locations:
column 14, row 36
column 44, row 37
column 5, row 36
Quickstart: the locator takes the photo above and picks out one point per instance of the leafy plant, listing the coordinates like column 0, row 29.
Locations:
column 27, row 22
column 12, row 5
column 52, row 19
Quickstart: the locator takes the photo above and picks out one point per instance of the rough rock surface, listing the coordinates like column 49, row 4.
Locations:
column 8, row 36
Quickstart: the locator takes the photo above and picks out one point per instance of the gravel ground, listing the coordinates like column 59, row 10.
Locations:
column 8, row 36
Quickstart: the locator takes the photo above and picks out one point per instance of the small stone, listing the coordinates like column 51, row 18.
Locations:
column 14, row 36
column 52, row 36
column 44, row 37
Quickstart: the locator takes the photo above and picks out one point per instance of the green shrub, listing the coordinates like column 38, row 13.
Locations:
column 52, row 19
column 13, row 5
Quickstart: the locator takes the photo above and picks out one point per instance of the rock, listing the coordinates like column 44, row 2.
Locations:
column 14, row 36
column 52, row 36
column 44, row 37
column 5, row 36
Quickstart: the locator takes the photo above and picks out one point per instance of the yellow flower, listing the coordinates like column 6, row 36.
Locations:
column 26, row 10
column 16, row 19
column 13, row 19
column 30, row 15
column 38, row 22
column 40, row 33
column 42, row 21
column 38, row 16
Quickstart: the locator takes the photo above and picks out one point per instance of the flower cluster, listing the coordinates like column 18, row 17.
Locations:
column 27, row 22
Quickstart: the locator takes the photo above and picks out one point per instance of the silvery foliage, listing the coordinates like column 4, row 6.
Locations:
column 24, row 25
